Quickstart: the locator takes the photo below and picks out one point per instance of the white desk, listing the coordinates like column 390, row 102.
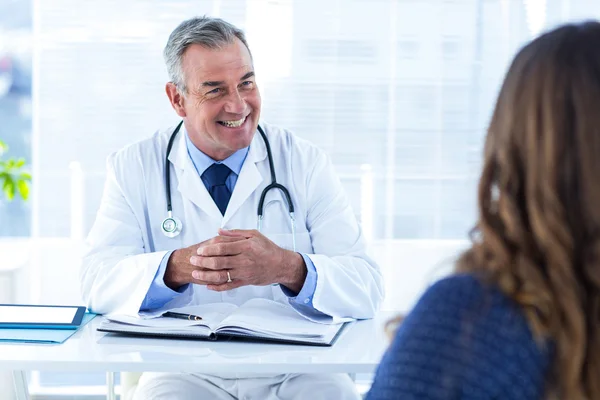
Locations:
column 358, row 350
column 14, row 254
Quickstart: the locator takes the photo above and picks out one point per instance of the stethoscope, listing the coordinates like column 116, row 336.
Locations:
column 172, row 226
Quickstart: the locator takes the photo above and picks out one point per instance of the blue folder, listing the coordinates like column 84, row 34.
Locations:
column 48, row 336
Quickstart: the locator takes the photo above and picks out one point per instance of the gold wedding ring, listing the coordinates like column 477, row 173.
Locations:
column 228, row 277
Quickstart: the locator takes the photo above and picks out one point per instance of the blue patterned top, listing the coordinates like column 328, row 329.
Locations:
column 463, row 340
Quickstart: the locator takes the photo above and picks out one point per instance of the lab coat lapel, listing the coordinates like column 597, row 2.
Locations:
column 190, row 185
column 249, row 179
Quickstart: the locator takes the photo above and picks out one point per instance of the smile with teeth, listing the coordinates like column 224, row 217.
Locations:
column 233, row 124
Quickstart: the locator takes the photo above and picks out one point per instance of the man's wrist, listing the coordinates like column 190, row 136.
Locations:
column 296, row 271
column 171, row 278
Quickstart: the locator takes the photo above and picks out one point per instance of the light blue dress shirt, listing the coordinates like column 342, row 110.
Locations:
column 159, row 293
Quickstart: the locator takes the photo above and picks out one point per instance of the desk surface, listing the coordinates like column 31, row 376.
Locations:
column 358, row 350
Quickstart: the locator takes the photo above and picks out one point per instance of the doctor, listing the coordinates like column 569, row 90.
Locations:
column 178, row 220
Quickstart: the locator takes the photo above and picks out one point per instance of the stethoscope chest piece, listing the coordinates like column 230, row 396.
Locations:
column 171, row 226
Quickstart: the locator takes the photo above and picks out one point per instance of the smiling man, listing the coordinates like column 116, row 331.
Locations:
column 219, row 165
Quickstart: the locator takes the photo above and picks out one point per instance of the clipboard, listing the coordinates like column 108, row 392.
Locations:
column 40, row 336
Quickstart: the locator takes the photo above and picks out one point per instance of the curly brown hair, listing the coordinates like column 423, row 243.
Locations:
column 538, row 232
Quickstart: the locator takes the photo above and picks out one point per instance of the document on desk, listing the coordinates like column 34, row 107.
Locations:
column 256, row 319
column 42, row 336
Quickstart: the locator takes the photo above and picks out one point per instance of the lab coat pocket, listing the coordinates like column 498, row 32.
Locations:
column 286, row 241
column 276, row 217
column 160, row 242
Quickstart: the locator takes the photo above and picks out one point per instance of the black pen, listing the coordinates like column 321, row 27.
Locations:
column 189, row 317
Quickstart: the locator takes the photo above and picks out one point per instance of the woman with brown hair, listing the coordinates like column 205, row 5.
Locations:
column 521, row 318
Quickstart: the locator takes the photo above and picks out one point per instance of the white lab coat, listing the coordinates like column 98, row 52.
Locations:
column 126, row 245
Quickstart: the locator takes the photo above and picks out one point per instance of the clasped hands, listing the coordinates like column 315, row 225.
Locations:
column 246, row 256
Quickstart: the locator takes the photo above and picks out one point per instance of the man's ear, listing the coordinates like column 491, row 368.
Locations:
column 176, row 99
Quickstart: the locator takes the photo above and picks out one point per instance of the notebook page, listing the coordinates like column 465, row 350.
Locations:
column 274, row 319
column 118, row 327
column 161, row 323
column 212, row 314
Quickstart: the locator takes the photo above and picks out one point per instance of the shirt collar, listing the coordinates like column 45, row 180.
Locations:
column 201, row 161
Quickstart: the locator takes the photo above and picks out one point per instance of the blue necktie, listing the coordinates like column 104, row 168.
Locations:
column 216, row 175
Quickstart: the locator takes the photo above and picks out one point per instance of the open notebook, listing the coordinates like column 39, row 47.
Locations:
column 256, row 319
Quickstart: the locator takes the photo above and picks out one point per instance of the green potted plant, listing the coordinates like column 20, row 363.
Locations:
column 13, row 177
column 14, row 181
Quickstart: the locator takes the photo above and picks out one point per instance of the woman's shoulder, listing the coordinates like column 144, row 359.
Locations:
column 468, row 302
column 459, row 285
column 464, row 339
column 467, row 292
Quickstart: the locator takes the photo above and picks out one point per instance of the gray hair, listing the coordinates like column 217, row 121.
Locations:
column 212, row 33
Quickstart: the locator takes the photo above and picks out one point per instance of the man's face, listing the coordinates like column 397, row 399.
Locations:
column 222, row 105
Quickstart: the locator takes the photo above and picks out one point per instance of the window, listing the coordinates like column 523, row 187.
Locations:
column 403, row 87
column 15, row 103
